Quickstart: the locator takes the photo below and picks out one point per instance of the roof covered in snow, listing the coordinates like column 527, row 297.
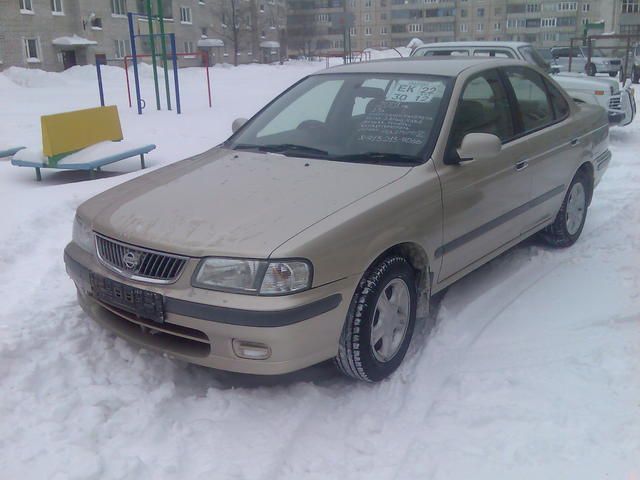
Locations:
column 210, row 42
column 73, row 41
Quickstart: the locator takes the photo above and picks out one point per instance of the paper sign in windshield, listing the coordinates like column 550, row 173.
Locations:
column 415, row 91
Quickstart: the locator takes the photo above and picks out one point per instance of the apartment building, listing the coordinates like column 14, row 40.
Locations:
column 57, row 34
column 393, row 23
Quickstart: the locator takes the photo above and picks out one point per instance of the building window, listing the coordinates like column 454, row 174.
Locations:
column 367, row 31
column 26, row 6
column 119, row 7
column 366, row 17
column 630, row 6
column 464, row 28
column 96, row 23
column 586, row 7
column 480, row 12
column 32, row 50
column 480, row 27
column 367, row 3
column 122, row 48
column 384, row 30
column 567, row 6
column 352, row 31
column 56, row 7
column 549, row 22
column 463, row 12
column 414, row 27
column 188, row 47
column 496, row 27
column 185, row 15
column 532, row 8
column 323, row 18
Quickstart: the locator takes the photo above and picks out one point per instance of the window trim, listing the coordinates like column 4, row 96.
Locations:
column 57, row 13
column 185, row 8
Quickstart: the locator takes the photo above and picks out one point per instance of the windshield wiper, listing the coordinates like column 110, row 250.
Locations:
column 378, row 157
column 284, row 148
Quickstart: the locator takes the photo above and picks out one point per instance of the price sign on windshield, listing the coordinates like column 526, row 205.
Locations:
column 415, row 91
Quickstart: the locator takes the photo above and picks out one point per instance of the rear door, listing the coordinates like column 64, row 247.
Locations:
column 554, row 149
column 481, row 198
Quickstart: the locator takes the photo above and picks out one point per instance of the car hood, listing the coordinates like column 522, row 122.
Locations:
column 583, row 82
column 231, row 203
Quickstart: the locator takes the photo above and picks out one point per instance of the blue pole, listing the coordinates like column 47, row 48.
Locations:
column 132, row 39
column 172, row 38
column 100, row 89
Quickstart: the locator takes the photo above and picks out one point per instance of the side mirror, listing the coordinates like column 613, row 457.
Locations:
column 237, row 124
column 479, row 146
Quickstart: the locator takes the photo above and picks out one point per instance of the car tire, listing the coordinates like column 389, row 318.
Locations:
column 377, row 332
column 635, row 75
column 591, row 70
column 568, row 225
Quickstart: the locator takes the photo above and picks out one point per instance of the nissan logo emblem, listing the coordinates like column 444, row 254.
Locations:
column 130, row 260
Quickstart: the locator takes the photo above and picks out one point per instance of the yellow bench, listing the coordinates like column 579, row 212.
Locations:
column 65, row 134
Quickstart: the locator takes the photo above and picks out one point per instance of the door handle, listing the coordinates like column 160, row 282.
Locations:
column 521, row 165
column 575, row 142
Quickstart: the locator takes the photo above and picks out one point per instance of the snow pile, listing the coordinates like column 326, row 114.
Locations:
column 530, row 372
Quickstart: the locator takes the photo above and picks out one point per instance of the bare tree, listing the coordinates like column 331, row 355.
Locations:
column 237, row 22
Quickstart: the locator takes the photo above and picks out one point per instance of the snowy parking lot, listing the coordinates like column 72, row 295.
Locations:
column 529, row 368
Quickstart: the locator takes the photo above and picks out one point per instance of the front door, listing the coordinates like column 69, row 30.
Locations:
column 481, row 198
column 68, row 59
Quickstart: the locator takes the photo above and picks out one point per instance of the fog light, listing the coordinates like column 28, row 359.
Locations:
column 251, row 350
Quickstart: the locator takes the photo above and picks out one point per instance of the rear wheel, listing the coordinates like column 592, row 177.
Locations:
column 569, row 222
column 591, row 70
column 380, row 321
column 635, row 75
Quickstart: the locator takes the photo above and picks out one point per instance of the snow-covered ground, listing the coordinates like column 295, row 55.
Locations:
column 529, row 368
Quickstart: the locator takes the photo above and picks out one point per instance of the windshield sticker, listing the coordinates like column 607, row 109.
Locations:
column 415, row 91
column 394, row 122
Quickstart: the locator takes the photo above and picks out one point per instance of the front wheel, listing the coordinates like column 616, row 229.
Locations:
column 380, row 321
column 635, row 75
column 569, row 222
column 591, row 70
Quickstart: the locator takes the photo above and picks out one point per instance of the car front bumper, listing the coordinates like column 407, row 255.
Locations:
column 298, row 330
column 622, row 107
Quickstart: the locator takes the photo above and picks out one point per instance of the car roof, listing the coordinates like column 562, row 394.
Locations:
column 474, row 44
column 443, row 66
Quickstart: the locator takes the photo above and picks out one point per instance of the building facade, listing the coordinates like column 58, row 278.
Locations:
column 393, row 23
column 57, row 34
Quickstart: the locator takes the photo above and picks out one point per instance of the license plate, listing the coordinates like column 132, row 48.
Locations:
column 142, row 303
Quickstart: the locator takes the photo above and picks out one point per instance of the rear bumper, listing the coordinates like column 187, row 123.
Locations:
column 296, row 336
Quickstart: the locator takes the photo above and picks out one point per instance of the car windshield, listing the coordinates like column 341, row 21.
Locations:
column 533, row 57
column 377, row 118
column 545, row 53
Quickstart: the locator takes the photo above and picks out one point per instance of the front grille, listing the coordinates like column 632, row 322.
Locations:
column 615, row 103
column 615, row 62
column 139, row 263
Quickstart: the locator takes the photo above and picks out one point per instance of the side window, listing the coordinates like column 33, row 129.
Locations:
column 535, row 109
column 560, row 105
column 483, row 108
column 492, row 53
column 443, row 53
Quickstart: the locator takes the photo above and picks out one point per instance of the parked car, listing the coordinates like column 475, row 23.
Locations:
column 600, row 62
column 314, row 231
column 635, row 64
column 546, row 55
column 605, row 92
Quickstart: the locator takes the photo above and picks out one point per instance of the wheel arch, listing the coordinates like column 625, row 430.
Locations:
column 417, row 258
column 588, row 170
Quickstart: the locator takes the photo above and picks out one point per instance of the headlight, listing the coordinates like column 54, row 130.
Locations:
column 256, row 277
column 82, row 235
